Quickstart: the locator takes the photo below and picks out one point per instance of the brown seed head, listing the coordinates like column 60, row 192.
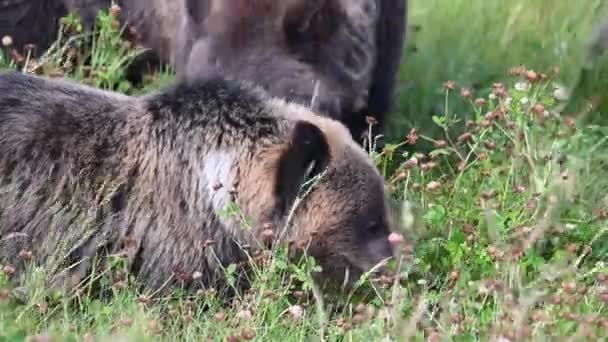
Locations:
column 410, row 163
column 465, row 138
column 115, row 10
column 480, row 102
column 489, row 194
column 5, row 295
column 500, row 92
column 441, row 144
column 25, row 255
column 40, row 338
column 9, row 270
column 247, row 334
column 358, row 319
column 462, row 165
column 17, row 57
column 603, row 296
column 219, row 317
column 532, row 76
column 155, row 327
column 569, row 287
column 400, row 176
column 420, row 156
column 449, row 85
column 433, row 186
column 413, row 136
column 482, row 156
column 538, row 109
column 572, row 247
column 468, row 228
column 465, row 93
column 244, row 315
column 570, row 122
column 267, row 235
column 370, row 311
column 42, row 307
column 433, row 336
column 485, row 123
column 517, row 71
column 233, row 338
column 531, row 204
column 370, row 120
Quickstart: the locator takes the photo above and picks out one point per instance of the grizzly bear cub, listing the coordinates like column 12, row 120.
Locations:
column 87, row 173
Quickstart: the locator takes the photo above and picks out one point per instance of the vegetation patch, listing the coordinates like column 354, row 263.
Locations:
column 503, row 223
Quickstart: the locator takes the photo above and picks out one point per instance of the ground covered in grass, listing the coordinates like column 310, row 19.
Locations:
column 504, row 222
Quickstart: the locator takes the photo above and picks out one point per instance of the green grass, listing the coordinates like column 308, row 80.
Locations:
column 472, row 42
column 505, row 223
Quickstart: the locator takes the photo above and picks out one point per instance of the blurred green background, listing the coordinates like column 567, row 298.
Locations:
column 475, row 42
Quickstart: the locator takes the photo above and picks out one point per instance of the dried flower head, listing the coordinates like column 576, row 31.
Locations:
column 517, row 71
column 247, row 334
column 480, row 102
column 370, row 120
column 570, row 122
column 25, row 255
column 441, row 144
column 490, row 144
column 449, row 85
column 115, row 10
column 532, row 76
column 538, row 109
column 413, row 136
column 9, row 270
column 433, row 186
column 465, row 137
column 465, row 93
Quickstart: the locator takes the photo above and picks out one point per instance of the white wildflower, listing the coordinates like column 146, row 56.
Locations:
column 522, row 86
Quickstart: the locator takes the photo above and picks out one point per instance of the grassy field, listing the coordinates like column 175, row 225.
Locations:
column 505, row 222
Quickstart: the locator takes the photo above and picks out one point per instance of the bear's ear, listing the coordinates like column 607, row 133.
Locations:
column 306, row 156
column 198, row 10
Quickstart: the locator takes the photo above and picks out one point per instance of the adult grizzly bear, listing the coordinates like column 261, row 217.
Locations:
column 342, row 56
column 83, row 171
